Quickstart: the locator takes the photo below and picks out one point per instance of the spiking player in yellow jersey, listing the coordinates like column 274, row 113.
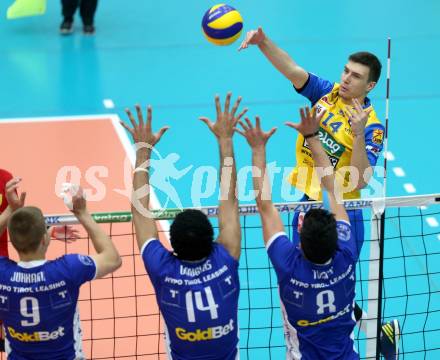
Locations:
column 350, row 132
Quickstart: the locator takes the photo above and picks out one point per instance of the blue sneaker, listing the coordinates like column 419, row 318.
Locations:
column 389, row 340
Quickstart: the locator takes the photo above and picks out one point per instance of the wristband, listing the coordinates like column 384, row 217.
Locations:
column 325, row 200
column 140, row 169
column 311, row 135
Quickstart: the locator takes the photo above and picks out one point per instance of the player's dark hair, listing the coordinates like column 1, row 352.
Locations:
column 27, row 228
column 191, row 235
column 368, row 59
column 319, row 237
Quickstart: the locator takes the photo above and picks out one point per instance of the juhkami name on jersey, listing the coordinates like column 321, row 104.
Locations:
column 27, row 278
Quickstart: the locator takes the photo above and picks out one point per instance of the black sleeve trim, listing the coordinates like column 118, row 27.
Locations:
column 304, row 86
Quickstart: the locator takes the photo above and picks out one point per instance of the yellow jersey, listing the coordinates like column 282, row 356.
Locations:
column 336, row 136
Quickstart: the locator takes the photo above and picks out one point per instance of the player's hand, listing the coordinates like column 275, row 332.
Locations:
column 79, row 203
column 358, row 118
column 309, row 121
column 14, row 200
column 64, row 232
column 226, row 121
column 255, row 136
column 253, row 37
column 143, row 132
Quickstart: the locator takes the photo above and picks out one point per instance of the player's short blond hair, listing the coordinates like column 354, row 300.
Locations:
column 27, row 228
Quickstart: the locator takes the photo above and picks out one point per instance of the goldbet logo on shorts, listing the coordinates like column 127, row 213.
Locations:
column 36, row 336
column 204, row 335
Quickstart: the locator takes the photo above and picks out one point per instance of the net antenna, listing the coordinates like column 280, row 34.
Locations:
column 379, row 205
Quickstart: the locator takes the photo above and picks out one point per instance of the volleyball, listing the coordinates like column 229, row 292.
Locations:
column 222, row 24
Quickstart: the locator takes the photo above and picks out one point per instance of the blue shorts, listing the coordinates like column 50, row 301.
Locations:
column 356, row 221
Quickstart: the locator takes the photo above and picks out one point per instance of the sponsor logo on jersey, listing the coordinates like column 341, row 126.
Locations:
column 319, row 108
column 86, row 260
column 331, row 146
column 326, row 100
column 377, row 136
column 344, row 232
column 207, row 334
column 306, row 323
column 36, row 336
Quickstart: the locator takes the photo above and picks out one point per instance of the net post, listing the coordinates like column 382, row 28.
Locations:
column 374, row 286
column 380, row 282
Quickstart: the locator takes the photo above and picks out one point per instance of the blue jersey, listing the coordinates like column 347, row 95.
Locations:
column 317, row 300
column 198, row 301
column 38, row 306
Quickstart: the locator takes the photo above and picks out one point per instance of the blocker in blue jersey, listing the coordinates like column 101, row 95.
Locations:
column 196, row 284
column 38, row 298
column 316, row 276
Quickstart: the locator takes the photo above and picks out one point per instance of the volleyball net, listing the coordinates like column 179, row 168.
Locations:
column 401, row 279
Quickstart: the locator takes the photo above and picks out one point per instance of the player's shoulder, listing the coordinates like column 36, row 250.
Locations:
column 156, row 257
column 155, row 253
column 343, row 228
column 218, row 248
column 346, row 240
column 7, row 267
column 5, row 262
column 70, row 261
column 220, row 252
column 151, row 244
column 276, row 238
column 283, row 252
column 373, row 119
column 374, row 130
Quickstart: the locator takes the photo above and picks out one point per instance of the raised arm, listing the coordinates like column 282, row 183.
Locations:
column 257, row 140
column 278, row 57
column 359, row 157
column 4, row 217
column 14, row 200
column 223, row 129
column 107, row 258
column 308, row 127
column 145, row 140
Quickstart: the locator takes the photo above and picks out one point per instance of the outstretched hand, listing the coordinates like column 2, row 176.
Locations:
column 255, row 136
column 223, row 127
column 309, row 123
column 79, row 203
column 253, row 37
column 358, row 117
column 14, row 201
column 143, row 132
